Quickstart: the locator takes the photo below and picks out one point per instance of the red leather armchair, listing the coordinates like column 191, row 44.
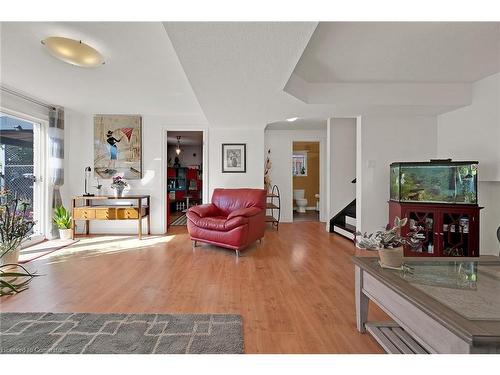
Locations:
column 234, row 219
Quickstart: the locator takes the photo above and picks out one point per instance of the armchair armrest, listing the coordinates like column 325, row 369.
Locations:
column 245, row 212
column 205, row 210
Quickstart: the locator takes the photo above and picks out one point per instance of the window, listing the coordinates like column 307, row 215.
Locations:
column 21, row 164
column 299, row 167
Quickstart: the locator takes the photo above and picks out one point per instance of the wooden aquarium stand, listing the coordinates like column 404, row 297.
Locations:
column 446, row 229
column 90, row 210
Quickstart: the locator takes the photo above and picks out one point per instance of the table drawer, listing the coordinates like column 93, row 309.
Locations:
column 127, row 213
column 84, row 213
column 105, row 213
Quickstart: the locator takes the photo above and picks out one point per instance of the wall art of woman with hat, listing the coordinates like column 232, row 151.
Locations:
column 113, row 148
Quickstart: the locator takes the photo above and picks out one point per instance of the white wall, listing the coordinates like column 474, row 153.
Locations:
column 473, row 133
column 281, row 142
column 79, row 135
column 381, row 141
column 489, row 198
column 80, row 151
column 342, row 140
column 254, row 176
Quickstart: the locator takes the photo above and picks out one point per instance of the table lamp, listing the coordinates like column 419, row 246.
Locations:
column 87, row 178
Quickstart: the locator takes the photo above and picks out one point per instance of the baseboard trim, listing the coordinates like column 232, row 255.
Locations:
column 307, row 208
column 343, row 232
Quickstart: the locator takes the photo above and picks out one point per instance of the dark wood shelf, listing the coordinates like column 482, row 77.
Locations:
column 271, row 206
column 447, row 229
column 271, row 219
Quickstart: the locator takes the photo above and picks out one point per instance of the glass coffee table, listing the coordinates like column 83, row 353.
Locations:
column 447, row 305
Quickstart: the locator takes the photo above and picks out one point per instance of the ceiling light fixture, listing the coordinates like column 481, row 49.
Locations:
column 73, row 52
column 292, row 119
column 178, row 148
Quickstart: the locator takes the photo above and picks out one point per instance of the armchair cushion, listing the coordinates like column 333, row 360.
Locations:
column 220, row 223
column 205, row 210
column 245, row 212
column 229, row 200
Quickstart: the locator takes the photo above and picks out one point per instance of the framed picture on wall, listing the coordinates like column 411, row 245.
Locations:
column 234, row 158
column 118, row 146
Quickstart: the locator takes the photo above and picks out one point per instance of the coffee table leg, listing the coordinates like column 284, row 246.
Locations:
column 361, row 301
column 149, row 215
column 73, row 205
column 139, row 205
column 87, row 222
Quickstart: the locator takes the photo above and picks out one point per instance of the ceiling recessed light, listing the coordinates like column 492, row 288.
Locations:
column 292, row 119
column 73, row 52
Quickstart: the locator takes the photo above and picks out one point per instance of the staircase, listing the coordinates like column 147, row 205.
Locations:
column 344, row 223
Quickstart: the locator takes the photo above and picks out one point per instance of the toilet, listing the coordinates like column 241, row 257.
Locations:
column 300, row 201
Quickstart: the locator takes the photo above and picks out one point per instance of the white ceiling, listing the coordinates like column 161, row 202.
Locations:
column 142, row 73
column 238, row 70
column 188, row 138
column 252, row 74
column 249, row 74
column 401, row 52
column 299, row 124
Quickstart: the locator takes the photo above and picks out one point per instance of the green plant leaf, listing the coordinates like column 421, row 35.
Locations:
column 5, row 284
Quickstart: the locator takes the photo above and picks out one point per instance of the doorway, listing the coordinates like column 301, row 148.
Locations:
column 306, row 181
column 184, row 174
column 22, row 163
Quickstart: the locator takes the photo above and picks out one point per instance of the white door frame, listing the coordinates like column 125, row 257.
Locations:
column 329, row 158
column 40, row 202
column 182, row 128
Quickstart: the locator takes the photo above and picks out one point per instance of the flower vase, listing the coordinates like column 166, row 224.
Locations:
column 12, row 257
column 391, row 257
column 119, row 191
column 65, row 234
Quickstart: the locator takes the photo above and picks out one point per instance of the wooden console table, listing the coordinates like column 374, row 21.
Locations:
column 91, row 211
column 447, row 305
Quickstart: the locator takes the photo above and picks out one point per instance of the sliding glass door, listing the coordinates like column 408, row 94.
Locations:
column 22, row 163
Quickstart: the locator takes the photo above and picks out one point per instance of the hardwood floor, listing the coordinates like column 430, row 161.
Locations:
column 295, row 291
column 306, row 216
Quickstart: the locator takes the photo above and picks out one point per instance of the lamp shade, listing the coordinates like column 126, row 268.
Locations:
column 178, row 148
column 73, row 52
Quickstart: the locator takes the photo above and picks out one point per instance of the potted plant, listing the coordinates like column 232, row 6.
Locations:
column 14, row 278
column 118, row 184
column 16, row 224
column 389, row 243
column 62, row 219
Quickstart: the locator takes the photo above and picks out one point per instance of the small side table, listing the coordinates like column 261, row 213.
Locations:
column 90, row 211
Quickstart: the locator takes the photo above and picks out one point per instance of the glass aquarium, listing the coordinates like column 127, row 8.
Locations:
column 439, row 181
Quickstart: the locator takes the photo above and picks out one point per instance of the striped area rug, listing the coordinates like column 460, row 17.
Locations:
column 181, row 220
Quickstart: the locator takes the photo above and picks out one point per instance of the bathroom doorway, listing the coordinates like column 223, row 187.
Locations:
column 306, row 181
